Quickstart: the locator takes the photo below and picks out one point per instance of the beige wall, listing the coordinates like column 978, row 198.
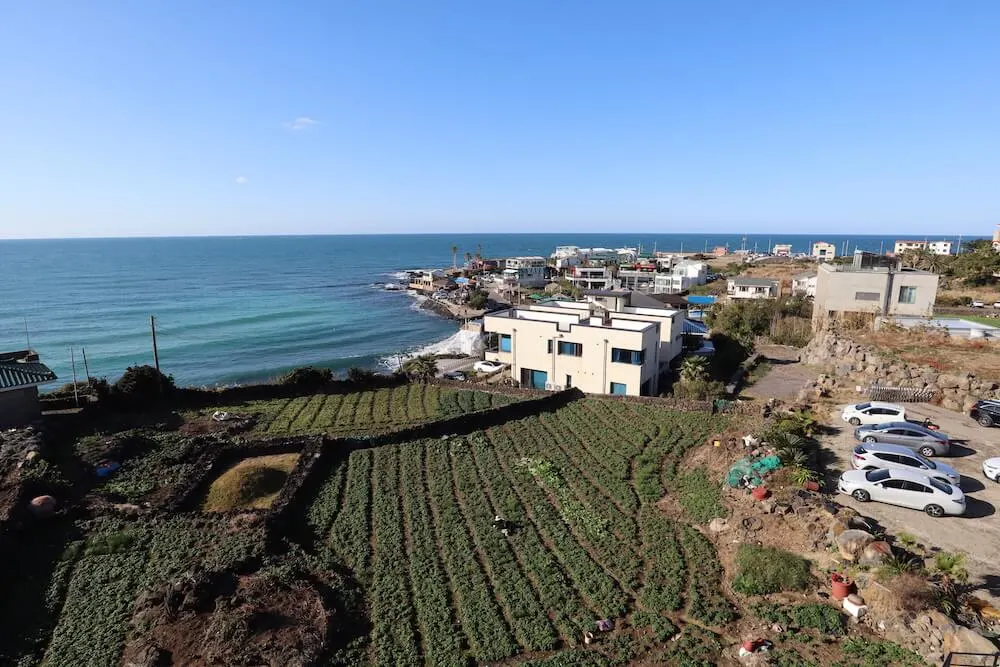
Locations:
column 836, row 291
column 593, row 372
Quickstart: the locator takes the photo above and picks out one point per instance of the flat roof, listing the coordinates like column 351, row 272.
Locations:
column 760, row 282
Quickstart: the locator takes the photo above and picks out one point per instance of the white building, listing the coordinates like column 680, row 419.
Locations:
column 682, row 277
column 592, row 277
column 782, row 249
column 526, row 271
column 577, row 344
column 566, row 256
column 804, row 284
column 823, row 251
column 752, row 288
column 935, row 247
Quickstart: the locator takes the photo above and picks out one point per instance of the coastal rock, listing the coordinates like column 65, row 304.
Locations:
column 852, row 543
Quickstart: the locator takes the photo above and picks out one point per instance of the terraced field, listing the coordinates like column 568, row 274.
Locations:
column 376, row 409
column 415, row 524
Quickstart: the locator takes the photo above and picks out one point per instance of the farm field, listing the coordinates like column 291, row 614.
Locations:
column 579, row 487
column 378, row 409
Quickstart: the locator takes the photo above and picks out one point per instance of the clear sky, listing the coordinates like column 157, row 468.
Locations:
column 177, row 117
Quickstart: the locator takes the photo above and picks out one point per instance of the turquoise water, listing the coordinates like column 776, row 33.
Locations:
column 242, row 309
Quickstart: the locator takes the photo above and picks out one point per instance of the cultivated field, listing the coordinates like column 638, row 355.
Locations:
column 379, row 409
column 414, row 522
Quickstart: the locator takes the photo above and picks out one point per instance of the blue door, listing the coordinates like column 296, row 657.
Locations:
column 618, row 388
column 538, row 379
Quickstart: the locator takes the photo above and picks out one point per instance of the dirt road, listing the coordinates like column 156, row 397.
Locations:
column 978, row 532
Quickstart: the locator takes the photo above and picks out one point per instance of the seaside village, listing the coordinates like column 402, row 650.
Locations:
column 625, row 456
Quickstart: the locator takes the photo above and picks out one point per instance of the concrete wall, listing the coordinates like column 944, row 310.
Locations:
column 837, row 291
column 593, row 372
column 19, row 407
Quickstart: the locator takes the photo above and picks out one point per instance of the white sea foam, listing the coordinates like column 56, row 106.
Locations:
column 461, row 342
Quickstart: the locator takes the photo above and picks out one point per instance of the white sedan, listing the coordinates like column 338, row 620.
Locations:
column 904, row 488
column 991, row 468
column 873, row 412
column 488, row 366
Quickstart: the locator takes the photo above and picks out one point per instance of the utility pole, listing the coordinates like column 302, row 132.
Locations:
column 72, row 361
column 156, row 353
column 27, row 337
column 85, row 366
column 959, row 251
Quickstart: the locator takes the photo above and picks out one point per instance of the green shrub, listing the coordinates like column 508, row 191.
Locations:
column 307, row 377
column 873, row 653
column 820, row 617
column 763, row 570
column 141, row 385
column 699, row 496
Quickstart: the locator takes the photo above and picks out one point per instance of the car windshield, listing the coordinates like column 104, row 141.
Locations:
column 877, row 475
column 940, row 486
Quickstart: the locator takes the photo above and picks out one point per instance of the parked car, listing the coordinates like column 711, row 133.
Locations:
column 996, row 304
column 919, row 438
column 873, row 456
column 905, row 488
column 873, row 412
column 455, row 375
column 488, row 366
column 977, row 304
column 987, row 413
column 991, row 468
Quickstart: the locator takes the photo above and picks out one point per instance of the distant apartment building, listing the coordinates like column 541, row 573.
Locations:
column 720, row 251
column 870, row 285
column 782, row 250
column 525, row 271
column 592, row 277
column 637, row 276
column 996, row 239
column 428, row 281
column 804, row 284
column 682, row 277
column 577, row 344
column 752, row 288
column 935, row 247
column 823, row 251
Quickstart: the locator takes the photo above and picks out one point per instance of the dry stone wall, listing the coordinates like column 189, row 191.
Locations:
column 851, row 364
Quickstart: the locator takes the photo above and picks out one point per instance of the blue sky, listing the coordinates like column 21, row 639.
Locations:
column 180, row 117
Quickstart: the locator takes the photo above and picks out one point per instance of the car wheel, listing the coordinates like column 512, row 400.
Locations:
column 934, row 511
column 869, row 438
column 985, row 420
column 861, row 495
column 927, row 451
column 854, row 421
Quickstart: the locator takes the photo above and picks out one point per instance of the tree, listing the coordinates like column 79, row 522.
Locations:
column 478, row 298
column 142, row 385
column 468, row 258
column 307, row 377
column 694, row 369
column 420, row 369
column 454, row 256
column 479, row 251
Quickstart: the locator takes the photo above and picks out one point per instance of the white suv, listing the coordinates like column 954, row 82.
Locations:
column 873, row 412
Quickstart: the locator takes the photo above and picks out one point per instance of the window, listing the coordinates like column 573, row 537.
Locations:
column 618, row 389
column 920, row 488
column 877, row 475
column 894, row 484
column 907, row 294
column 622, row 356
column 570, row 349
column 867, row 296
column 505, row 345
column 569, row 381
column 940, row 486
column 548, row 346
column 892, row 458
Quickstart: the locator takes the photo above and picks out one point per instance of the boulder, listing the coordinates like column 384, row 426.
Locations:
column 956, row 639
column 43, row 505
column 875, row 553
column 837, row 528
column 852, row 543
column 718, row 525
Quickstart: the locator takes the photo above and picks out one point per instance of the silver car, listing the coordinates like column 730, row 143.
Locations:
column 925, row 441
column 872, row 456
column 905, row 488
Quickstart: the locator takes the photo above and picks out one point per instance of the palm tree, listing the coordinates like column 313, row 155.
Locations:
column 694, row 369
column 420, row 369
column 479, row 251
column 454, row 256
column 468, row 257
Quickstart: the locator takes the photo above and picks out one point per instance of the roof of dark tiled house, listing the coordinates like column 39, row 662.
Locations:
column 22, row 369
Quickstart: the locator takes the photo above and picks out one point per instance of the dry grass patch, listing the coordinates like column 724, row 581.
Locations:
column 948, row 354
column 253, row 483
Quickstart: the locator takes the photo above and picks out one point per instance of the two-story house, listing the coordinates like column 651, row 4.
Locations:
column 752, row 288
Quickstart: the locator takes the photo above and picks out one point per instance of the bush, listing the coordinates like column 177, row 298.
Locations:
column 141, row 385
column 794, row 331
column 307, row 377
column 820, row 617
column 478, row 299
column 875, row 653
column 763, row 570
column 360, row 376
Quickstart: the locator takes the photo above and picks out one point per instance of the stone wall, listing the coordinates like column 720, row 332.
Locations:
column 851, row 364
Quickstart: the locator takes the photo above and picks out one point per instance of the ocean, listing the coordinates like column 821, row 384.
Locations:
column 242, row 309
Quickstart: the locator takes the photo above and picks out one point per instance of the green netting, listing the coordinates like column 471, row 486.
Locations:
column 752, row 469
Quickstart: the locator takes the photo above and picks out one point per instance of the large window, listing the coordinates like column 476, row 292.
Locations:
column 570, row 349
column 619, row 388
column 634, row 357
column 505, row 344
column 907, row 294
column 867, row 296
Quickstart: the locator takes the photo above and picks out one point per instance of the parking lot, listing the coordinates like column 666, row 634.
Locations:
column 978, row 532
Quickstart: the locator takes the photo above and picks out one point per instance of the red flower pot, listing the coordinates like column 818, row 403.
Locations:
column 811, row 486
column 761, row 492
column 842, row 585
